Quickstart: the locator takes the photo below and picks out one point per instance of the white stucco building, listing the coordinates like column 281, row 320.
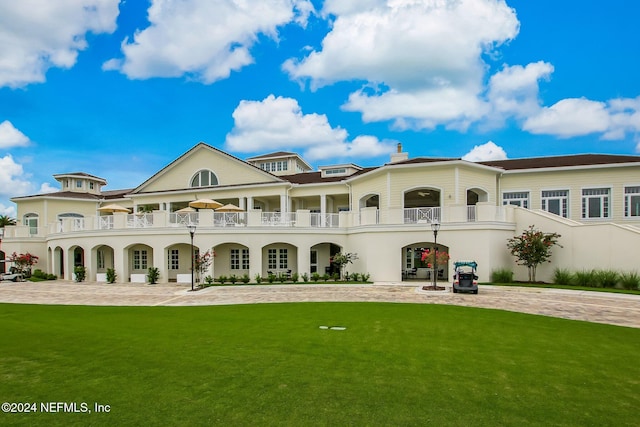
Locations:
column 294, row 219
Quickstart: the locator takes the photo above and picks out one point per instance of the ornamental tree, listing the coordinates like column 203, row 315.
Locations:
column 532, row 248
column 341, row 260
column 201, row 263
column 23, row 262
column 428, row 256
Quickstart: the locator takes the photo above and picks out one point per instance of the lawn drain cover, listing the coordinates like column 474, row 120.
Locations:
column 334, row 328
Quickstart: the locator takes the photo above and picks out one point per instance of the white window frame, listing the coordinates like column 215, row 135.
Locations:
column 561, row 195
column 196, row 179
column 140, row 259
column 595, row 193
column 510, row 197
column 631, row 192
column 173, row 261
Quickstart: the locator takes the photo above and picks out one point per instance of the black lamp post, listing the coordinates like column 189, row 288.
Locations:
column 435, row 226
column 192, row 231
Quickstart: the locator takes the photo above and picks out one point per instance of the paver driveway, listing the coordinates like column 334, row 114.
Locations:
column 615, row 309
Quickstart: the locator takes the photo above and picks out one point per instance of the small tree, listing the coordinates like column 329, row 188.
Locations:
column 23, row 262
column 532, row 248
column 201, row 263
column 341, row 260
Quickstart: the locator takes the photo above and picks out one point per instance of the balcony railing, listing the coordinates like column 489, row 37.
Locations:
column 279, row 219
column 330, row 220
column 304, row 219
column 422, row 215
column 230, row 219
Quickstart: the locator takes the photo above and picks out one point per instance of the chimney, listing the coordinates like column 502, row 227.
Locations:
column 399, row 156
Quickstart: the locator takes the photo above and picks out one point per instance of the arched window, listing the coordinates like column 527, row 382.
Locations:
column 204, row 178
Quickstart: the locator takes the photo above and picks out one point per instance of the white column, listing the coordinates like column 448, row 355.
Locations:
column 323, row 209
column 283, row 203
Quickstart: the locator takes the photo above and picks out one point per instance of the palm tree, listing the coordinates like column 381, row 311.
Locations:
column 6, row 220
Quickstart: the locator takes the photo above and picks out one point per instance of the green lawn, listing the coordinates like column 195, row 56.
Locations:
column 271, row 364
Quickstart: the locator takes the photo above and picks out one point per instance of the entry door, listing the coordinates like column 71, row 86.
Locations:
column 313, row 264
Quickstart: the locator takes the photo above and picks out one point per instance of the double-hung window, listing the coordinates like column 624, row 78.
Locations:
column 517, row 198
column 556, row 202
column 596, row 203
column 632, row 202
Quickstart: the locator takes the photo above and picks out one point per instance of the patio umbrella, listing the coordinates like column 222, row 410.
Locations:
column 205, row 204
column 113, row 208
column 229, row 208
column 186, row 210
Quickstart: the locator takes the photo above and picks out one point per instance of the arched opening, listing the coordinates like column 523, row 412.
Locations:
column 321, row 256
column 370, row 201
column 3, row 267
column 279, row 258
column 232, row 259
column 474, row 196
column 422, row 205
column 415, row 266
column 140, row 258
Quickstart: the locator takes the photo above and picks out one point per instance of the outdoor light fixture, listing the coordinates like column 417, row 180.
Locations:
column 192, row 231
column 435, row 226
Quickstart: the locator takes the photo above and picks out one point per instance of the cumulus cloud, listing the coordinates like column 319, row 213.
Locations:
column 426, row 52
column 202, row 39
column 484, row 152
column 38, row 35
column 13, row 180
column 570, row 117
column 11, row 137
column 277, row 123
column 514, row 90
column 48, row 188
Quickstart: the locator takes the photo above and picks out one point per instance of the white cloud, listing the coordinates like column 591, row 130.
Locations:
column 514, row 90
column 487, row 151
column 11, row 137
column 38, row 35
column 9, row 211
column 202, row 39
column 570, row 117
column 13, row 180
column 48, row 188
column 278, row 123
column 428, row 53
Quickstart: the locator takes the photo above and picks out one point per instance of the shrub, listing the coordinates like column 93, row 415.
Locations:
column 245, row 278
column 111, row 275
column 305, row 277
column 365, row 277
column 607, row 278
column 208, row 280
column 222, row 279
column 325, row 276
column 630, row 280
column 258, row 279
column 315, row 277
column 39, row 274
column 562, row 276
column 80, row 272
column 282, row 277
column 51, row 277
column 585, row 278
column 503, row 275
column 271, row 278
column 233, row 279
column 295, row 277
column 335, row 277
column 355, row 277
column 152, row 275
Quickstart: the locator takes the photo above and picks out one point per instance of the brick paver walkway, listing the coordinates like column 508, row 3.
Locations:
column 615, row 309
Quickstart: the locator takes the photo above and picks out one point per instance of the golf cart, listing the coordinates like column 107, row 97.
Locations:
column 14, row 275
column 465, row 278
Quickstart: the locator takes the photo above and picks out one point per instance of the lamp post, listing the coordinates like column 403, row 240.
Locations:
column 192, row 231
column 435, row 226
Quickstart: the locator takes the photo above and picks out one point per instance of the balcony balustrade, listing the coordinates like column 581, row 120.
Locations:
column 369, row 216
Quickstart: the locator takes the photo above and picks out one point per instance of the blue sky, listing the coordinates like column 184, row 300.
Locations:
column 119, row 89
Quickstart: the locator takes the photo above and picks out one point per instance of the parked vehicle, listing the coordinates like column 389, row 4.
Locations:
column 14, row 275
column 465, row 278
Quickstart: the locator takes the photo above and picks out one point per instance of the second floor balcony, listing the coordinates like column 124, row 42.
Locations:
column 372, row 216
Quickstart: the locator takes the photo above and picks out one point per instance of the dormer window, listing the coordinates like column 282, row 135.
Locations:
column 204, row 178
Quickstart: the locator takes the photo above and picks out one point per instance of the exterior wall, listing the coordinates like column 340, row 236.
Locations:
column 615, row 178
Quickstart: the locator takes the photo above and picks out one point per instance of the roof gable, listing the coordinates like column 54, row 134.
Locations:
column 228, row 169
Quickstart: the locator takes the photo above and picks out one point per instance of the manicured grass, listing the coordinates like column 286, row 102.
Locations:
column 271, row 364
